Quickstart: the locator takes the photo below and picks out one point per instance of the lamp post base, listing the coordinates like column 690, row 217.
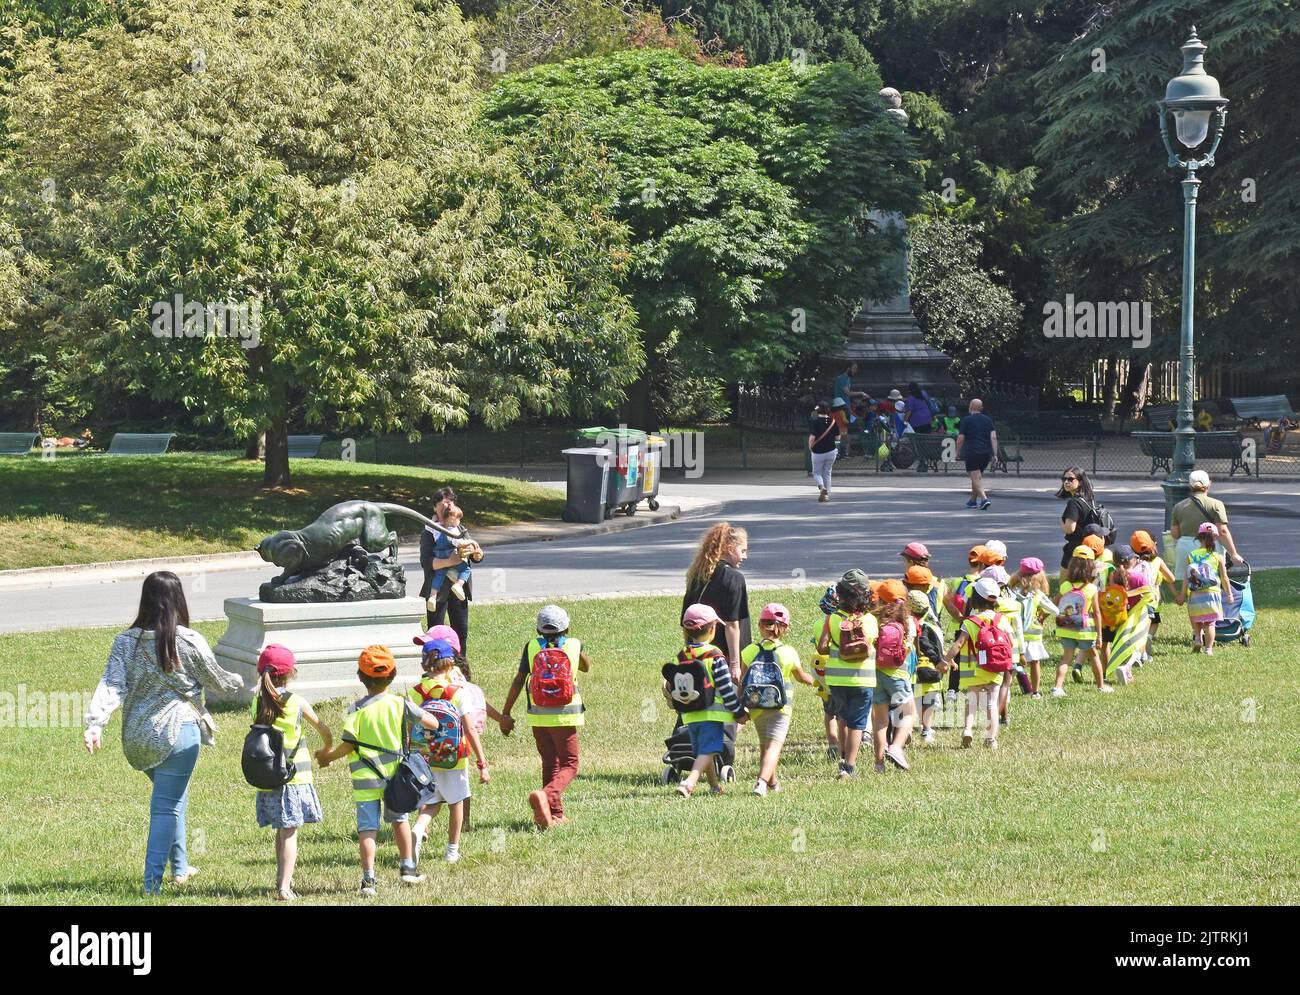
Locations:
column 1176, row 489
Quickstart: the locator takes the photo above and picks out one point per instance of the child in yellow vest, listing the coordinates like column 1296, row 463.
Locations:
column 296, row 804
column 771, row 724
column 850, row 668
column 981, row 686
column 928, row 682
column 450, row 783
column 698, row 685
column 1030, row 583
column 1008, row 605
column 1145, row 548
column 376, row 731
column 1205, row 586
column 892, row 708
column 1078, row 620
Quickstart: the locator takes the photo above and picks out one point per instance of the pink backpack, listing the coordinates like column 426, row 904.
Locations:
column 993, row 645
column 891, row 646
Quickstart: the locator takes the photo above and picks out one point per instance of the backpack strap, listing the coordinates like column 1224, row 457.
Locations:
column 448, row 692
column 419, row 686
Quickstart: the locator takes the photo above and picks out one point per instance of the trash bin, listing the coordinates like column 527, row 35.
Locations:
column 651, row 470
column 587, row 483
column 624, row 488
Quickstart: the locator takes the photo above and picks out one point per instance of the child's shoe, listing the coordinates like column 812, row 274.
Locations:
column 1106, row 689
column 417, row 841
column 1057, row 692
column 832, row 753
column 458, row 589
column 452, row 853
column 1076, row 673
column 846, row 772
column 984, row 504
column 368, row 884
column 895, row 756
column 1121, row 676
column 927, row 735
column 410, row 874
column 1004, row 721
column 966, row 740
column 431, row 603
column 991, row 744
column 880, row 766
column 760, row 788
column 288, row 895
column 972, row 503
column 190, row 873
column 1037, row 696
column 716, row 789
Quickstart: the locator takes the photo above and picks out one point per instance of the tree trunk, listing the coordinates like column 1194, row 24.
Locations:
column 1108, row 386
column 1135, row 391
column 638, row 411
column 256, row 448
column 276, row 472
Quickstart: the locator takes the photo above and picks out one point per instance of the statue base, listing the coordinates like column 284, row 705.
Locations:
column 325, row 638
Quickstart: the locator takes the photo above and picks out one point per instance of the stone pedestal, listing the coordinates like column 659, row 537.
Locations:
column 326, row 639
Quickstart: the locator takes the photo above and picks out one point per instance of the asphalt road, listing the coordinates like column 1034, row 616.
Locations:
column 792, row 539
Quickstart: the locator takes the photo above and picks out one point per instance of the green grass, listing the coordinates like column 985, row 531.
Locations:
column 1195, row 803
column 85, row 509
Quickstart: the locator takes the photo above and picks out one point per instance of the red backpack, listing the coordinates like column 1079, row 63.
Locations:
column 551, row 682
column 993, row 645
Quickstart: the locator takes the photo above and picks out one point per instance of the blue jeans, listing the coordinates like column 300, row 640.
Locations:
column 171, row 794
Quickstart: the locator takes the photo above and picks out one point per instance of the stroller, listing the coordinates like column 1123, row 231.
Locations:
column 1238, row 617
column 679, row 757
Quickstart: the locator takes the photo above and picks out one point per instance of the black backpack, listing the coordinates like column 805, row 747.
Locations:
column 264, row 761
column 1099, row 516
column 690, row 681
column 413, row 776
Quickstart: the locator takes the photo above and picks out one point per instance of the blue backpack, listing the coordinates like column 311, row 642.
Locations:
column 764, row 684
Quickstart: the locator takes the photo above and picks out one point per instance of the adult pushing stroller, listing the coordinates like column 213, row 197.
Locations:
column 1238, row 617
column 679, row 757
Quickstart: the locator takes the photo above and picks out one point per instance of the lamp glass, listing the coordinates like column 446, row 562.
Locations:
column 1192, row 127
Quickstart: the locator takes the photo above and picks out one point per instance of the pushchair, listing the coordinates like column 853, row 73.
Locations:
column 678, row 755
column 1238, row 617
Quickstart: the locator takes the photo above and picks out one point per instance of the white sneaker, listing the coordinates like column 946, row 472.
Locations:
column 1121, row 676
column 1106, row 689
column 760, row 788
column 368, row 886
column 927, row 735
column 411, row 875
column 458, row 589
column 451, row 854
column 1057, row 692
column 417, row 841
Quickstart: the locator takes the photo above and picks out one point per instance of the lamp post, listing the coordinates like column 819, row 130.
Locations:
column 1191, row 99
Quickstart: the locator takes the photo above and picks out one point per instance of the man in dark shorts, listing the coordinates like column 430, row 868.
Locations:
column 977, row 440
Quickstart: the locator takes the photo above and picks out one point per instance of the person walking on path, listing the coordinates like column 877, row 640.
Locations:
column 977, row 439
column 438, row 552
column 156, row 673
column 1076, row 491
column 823, row 443
column 1190, row 514
column 714, row 579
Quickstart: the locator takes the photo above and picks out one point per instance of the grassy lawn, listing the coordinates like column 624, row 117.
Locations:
column 1178, row 789
column 83, row 509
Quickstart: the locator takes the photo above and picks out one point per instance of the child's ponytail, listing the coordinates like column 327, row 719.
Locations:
column 270, row 703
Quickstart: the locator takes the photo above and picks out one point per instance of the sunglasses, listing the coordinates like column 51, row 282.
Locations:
column 1067, row 480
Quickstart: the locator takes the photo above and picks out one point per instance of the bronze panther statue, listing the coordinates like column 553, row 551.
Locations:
column 348, row 524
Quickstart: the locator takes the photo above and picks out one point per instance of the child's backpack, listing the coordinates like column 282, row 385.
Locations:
column 443, row 747
column 264, row 761
column 934, row 408
column 992, row 645
column 959, row 596
column 854, row 644
column 690, row 680
column 891, row 646
column 1114, row 606
column 1201, row 573
column 764, row 683
column 1073, row 611
column 550, row 683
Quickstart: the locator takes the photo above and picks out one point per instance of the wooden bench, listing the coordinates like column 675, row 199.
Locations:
column 16, row 443
column 305, row 446
column 140, row 443
column 1256, row 410
column 1209, row 445
column 929, row 449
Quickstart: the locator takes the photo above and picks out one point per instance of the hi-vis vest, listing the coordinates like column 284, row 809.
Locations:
column 377, row 720
column 846, row 673
column 570, row 714
column 708, row 654
column 969, row 672
column 295, row 743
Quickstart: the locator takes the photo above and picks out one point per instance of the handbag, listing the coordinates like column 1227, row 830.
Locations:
column 823, row 435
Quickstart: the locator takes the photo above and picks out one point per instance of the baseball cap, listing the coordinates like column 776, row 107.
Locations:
column 1096, row 543
column 977, row 553
column 1031, row 565
column 856, row 578
column 276, row 659
column 916, row 550
column 698, row 616
column 1198, row 479
column 997, row 574
column 439, row 632
column 987, row 588
column 377, row 661
column 1083, row 553
column 552, row 619
column 891, row 590
column 918, row 575
column 997, row 547
column 917, row 602
column 1142, row 542
column 439, row 649
column 775, row 612
column 1208, row 528
column 1123, row 552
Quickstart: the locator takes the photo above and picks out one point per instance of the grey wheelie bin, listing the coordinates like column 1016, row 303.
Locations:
column 588, row 484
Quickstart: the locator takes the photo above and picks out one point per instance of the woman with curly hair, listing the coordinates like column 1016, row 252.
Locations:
column 714, row 579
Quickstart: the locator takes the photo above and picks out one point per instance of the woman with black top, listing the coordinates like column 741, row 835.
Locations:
column 714, row 579
column 823, row 441
column 1076, row 491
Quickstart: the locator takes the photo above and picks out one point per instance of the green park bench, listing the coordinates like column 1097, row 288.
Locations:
column 1209, row 446
column 305, row 446
column 1256, row 410
column 929, row 449
column 140, row 443
column 16, row 443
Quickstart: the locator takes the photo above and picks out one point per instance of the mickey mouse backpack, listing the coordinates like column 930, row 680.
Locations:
column 690, row 678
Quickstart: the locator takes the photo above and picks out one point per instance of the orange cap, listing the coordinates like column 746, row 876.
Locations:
column 1142, row 542
column 991, row 558
column 1096, row 543
column 891, row 590
column 977, row 553
column 918, row 575
column 377, row 661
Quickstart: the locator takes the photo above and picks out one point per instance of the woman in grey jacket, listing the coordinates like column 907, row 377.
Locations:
column 157, row 670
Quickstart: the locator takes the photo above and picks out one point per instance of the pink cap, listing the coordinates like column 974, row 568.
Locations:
column 775, row 612
column 1031, row 565
column 276, row 659
column 997, row 574
column 698, row 616
column 1208, row 528
column 439, row 632
column 916, row 550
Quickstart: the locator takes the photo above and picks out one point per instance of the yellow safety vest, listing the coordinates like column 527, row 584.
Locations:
column 708, row 654
column 295, row 743
column 851, row 673
column 567, row 715
column 377, row 721
column 968, row 660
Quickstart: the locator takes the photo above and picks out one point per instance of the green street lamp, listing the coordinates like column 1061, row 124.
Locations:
column 1193, row 100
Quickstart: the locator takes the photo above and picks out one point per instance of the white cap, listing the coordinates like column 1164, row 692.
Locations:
column 987, row 588
column 1199, row 480
column 997, row 547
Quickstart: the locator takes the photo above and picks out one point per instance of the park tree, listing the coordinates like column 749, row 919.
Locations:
column 272, row 210
column 746, row 192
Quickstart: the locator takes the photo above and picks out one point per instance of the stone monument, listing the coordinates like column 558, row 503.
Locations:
column 884, row 338
column 341, row 590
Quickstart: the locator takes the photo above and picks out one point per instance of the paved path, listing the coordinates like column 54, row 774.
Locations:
column 792, row 538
